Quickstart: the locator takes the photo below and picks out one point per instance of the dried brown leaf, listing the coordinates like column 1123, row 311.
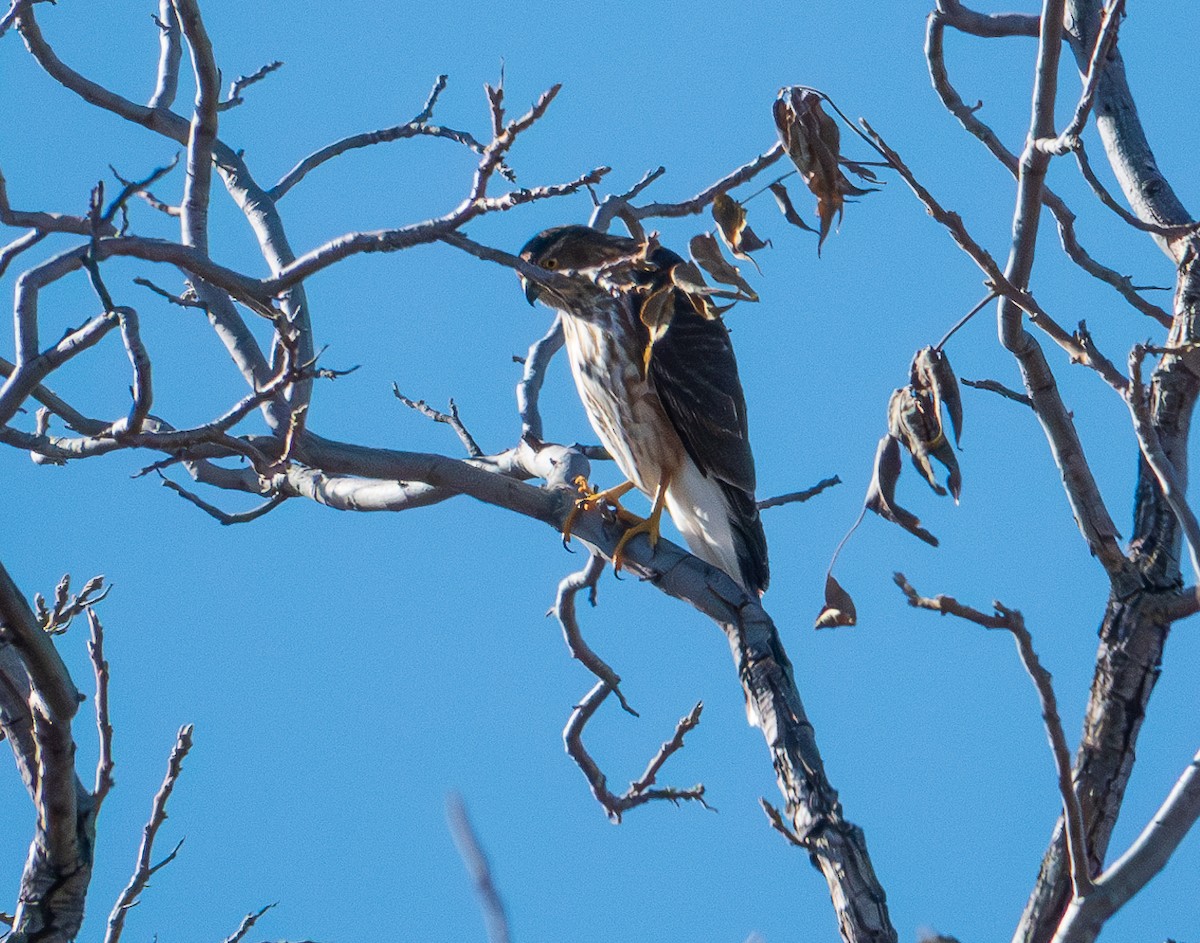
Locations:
column 913, row 420
column 730, row 217
column 657, row 309
column 931, row 373
column 812, row 140
column 839, row 607
column 784, row 199
column 881, row 494
column 706, row 251
column 656, row 313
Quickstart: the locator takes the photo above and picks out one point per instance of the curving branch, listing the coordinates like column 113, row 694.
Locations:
column 1011, row 621
column 968, row 117
column 1146, row 857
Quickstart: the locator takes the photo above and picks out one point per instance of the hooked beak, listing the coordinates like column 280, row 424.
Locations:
column 533, row 290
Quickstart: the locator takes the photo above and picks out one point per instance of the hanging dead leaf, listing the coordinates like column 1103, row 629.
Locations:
column 784, row 199
column 657, row 309
column 931, row 373
column 913, row 420
column 730, row 217
column 813, row 141
column 706, row 251
column 881, row 494
column 839, row 607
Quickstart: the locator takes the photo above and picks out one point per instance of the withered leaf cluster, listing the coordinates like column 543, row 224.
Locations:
column 915, row 422
column 813, row 142
column 658, row 304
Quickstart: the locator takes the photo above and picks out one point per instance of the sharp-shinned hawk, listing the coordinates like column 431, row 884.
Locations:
column 670, row 411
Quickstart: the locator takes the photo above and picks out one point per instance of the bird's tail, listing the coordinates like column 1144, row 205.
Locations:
column 721, row 525
column 749, row 539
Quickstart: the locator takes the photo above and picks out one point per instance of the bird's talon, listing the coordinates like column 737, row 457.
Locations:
column 590, row 499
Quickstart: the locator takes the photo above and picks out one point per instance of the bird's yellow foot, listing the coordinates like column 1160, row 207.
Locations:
column 590, row 499
column 649, row 527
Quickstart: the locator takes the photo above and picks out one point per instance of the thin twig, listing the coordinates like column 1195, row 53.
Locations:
column 795, row 497
column 1102, row 194
column 242, row 82
column 188, row 300
column 613, row 805
column 994, row 386
column 439, row 86
column 130, row 188
column 223, row 517
column 248, row 921
column 775, row 817
column 451, row 419
column 699, row 202
column 1012, row 621
column 158, row 814
column 104, row 765
column 564, row 610
column 987, row 299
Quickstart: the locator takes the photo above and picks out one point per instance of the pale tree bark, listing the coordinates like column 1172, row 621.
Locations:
column 289, row 460
column 283, row 458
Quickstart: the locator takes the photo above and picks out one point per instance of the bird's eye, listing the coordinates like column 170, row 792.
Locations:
column 550, row 264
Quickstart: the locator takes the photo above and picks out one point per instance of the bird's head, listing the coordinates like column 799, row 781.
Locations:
column 571, row 249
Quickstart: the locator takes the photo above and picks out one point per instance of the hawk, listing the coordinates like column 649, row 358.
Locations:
column 670, row 411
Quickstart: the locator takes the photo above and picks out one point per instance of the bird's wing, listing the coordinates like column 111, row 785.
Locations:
column 694, row 372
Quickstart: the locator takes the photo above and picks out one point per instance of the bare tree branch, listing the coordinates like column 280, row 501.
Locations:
column 701, row 201
column 242, row 82
column 1144, row 859
column 476, row 862
column 145, row 869
column 170, row 51
column 1062, row 214
column 17, row 246
column 640, row 791
column 564, row 610
column 541, row 352
column 104, row 765
column 1105, row 41
column 247, row 923
column 451, row 419
column 994, row 386
column 1012, row 621
column 44, row 222
column 799, row 496
column 991, row 25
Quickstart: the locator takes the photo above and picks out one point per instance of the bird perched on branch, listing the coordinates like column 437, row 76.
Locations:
column 655, row 369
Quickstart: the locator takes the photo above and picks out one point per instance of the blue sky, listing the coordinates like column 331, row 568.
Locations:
column 344, row 672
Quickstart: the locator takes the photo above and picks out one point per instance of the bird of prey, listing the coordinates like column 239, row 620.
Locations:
column 667, row 404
